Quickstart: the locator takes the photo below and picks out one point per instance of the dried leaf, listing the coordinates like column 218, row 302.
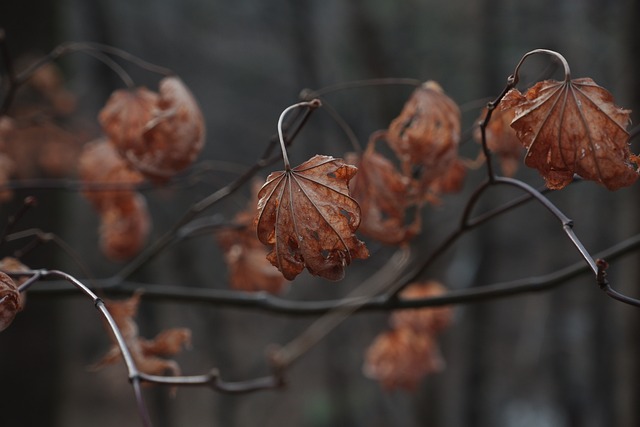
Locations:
column 399, row 359
column 145, row 353
column 11, row 302
column 425, row 137
column 246, row 257
column 423, row 320
column 124, row 228
column 100, row 163
column 308, row 216
column 573, row 127
column 383, row 195
column 159, row 134
column 502, row 139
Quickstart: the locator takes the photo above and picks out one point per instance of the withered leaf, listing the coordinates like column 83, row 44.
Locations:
column 400, row 358
column 246, row 257
column 124, row 228
column 148, row 355
column 573, row 127
column 502, row 140
column 308, row 216
column 425, row 320
column 425, row 136
column 100, row 163
column 159, row 134
column 11, row 301
column 383, row 194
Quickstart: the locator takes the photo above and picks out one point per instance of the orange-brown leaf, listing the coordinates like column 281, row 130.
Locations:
column 383, row 195
column 124, row 228
column 147, row 354
column 100, row 164
column 308, row 216
column 401, row 358
column 11, row 301
column 423, row 320
column 502, row 139
column 159, row 134
column 246, row 257
column 425, row 137
column 573, row 127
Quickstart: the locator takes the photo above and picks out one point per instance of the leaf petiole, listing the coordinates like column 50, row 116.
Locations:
column 315, row 103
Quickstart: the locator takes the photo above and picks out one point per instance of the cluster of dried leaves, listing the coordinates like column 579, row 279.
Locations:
column 400, row 357
column 148, row 135
column 150, row 356
column 424, row 139
column 39, row 137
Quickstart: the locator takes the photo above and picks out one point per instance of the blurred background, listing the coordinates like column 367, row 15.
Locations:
column 566, row 357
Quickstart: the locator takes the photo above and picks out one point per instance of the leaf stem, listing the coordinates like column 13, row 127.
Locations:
column 315, row 103
column 567, row 71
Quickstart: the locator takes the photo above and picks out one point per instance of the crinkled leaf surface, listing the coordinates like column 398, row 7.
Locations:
column 308, row 216
column 383, row 194
column 573, row 127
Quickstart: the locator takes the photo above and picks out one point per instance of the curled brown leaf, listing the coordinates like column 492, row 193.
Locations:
column 148, row 355
column 573, row 127
column 425, row 137
column 11, row 302
column 502, row 139
column 160, row 134
column 383, row 194
column 400, row 358
column 423, row 320
column 308, row 216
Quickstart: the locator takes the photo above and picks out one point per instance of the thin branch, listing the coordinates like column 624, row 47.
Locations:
column 213, row 381
column 308, row 94
column 267, row 303
column 134, row 374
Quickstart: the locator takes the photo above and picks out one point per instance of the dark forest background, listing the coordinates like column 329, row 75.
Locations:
column 566, row 357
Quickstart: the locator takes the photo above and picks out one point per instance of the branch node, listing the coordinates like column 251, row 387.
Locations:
column 601, row 274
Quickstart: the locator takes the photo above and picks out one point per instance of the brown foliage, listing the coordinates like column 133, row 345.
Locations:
column 425, row 138
column 11, row 302
column 145, row 353
column 429, row 320
column 400, row 358
column 502, row 139
column 124, row 228
column 158, row 134
column 383, row 194
column 246, row 257
column 308, row 216
column 573, row 127
column 100, row 163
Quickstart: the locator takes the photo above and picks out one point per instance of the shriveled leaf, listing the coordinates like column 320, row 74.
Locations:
column 308, row 216
column 246, row 257
column 423, row 320
column 124, row 228
column 425, row 137
column 383, row 193
column 10, row 301
column 159, row 134
column 573, row 127
column 399, row 359
column 148, row 355
column 502, row 139
column 100, row 164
